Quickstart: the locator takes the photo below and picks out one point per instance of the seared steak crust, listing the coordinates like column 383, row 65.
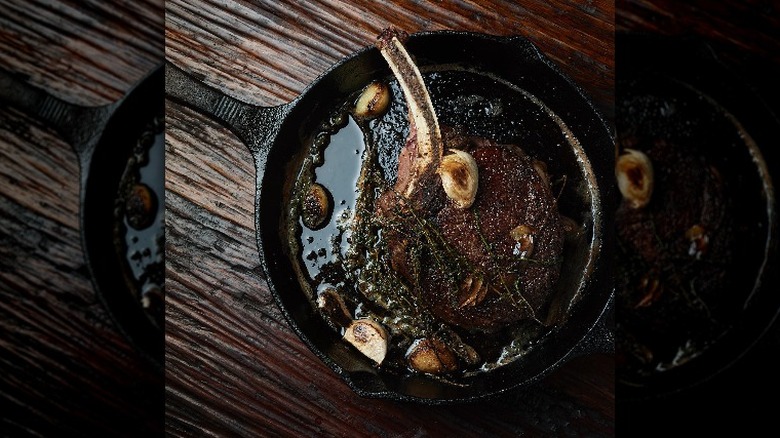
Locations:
column 466, row 265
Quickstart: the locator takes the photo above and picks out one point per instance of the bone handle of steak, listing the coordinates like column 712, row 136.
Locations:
column 422, row 116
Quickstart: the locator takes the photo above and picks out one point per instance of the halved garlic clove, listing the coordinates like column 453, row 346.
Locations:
column 373, row 100
column 369, row 337
column 317, row 207
column 430, row 355
column 634, row 172
column 459, row 177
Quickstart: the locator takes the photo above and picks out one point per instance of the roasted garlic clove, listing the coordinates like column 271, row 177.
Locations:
column 472, row 291
column 524, row 240
column 373, row 100
column 141, row 206
column 317, row 207
column 369, row 337
column 459, row 177
column 634, row 173
column 430, row 355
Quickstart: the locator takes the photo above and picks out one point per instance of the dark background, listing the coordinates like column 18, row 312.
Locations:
column 744, row 37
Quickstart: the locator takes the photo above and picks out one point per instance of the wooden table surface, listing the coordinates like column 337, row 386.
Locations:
column 233, row 365
column 65, row 369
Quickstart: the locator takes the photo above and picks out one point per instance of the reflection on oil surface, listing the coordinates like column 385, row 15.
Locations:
column 140, row 222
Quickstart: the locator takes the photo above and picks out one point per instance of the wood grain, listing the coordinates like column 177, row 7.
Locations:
column 86, row 52
column 267, row 52
column 233, row 365
column 749, row 26
column 65, row 368
column 64, row 364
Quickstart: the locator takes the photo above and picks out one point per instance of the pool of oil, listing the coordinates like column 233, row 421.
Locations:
column 141, row 247
column 338, row 173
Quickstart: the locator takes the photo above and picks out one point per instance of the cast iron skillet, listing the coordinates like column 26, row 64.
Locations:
column 279, row 136
column 103, row 138
column 681, row 71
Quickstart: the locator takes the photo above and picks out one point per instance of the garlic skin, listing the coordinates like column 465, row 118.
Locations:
column 634, row 172
column 459, row 177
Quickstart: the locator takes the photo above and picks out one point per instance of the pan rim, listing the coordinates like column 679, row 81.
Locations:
column 100, row 184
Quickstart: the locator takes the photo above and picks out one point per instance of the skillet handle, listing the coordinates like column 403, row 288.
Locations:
column 80, row 126
column 256, row 126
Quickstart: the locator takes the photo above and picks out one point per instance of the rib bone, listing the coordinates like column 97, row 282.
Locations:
column 422, row 117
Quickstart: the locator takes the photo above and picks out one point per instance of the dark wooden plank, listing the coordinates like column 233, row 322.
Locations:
column 267, row 52
column 743, row 34
column 64, row 364
column 234, row 367
column 65, row 368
